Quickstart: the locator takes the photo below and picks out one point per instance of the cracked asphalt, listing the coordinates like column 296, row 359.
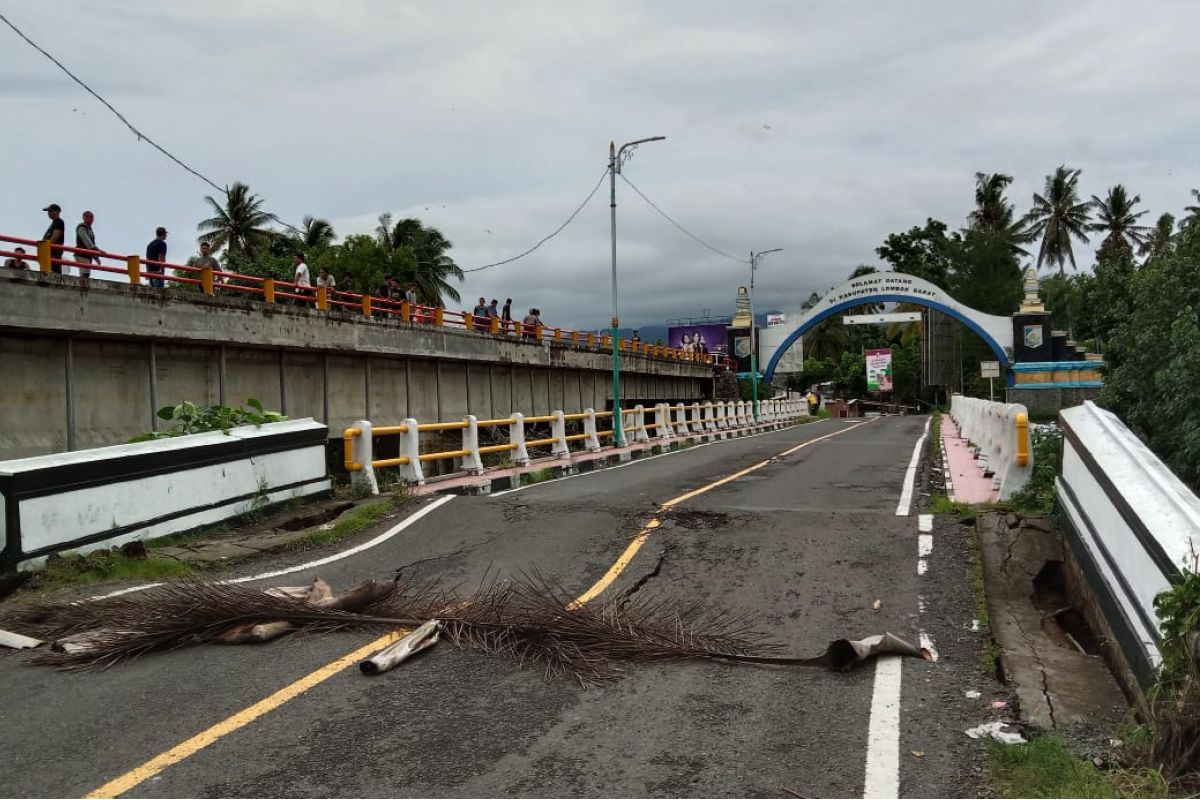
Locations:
column 804, row 545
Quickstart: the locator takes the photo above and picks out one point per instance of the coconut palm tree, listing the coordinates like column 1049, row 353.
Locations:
column 994, row 214
column 316, row 232
column 1161, row 238
column 1058, row 216
column 1116, row 217
column 432, row 268
column 240, row 225
column 1193, row 212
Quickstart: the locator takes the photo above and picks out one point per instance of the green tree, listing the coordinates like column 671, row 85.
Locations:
column 925, row 252
column 316, row 233
column 1058, row 216
column 240, row 226
column 1116, row 218
column 986, row 274
column 1160, row 240
column 1152, row 381
column 366, row 261
column 1193, row 213
column 431, row 269
column 994, row 214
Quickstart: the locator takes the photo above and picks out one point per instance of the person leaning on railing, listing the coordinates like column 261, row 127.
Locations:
column 17, row 261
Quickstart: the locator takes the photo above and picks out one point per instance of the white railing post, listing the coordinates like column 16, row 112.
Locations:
column 410, row 447
column 364, row 480
column 516, row 435
column 558, row 430
column 471, row 462
column 662, row 422
column 710, row 420
column 722, row 420
column 592, row 443
column 697, row 422
column 681, row 428
column 640, row 434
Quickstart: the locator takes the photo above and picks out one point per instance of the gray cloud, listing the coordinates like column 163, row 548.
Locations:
column 816, row 128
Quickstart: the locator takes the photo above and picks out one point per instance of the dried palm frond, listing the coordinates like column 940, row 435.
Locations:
column 532, row 620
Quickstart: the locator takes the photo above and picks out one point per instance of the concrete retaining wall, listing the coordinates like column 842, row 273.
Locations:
column 99, row 498
column 88, row 366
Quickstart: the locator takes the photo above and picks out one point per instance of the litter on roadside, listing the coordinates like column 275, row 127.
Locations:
column 999, row 704
column 972, row 694
column 17, row 641
column 995, row 730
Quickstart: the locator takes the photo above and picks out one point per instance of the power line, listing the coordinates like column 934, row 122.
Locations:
column 685, row 231
column 556, row 232
column 141, row 136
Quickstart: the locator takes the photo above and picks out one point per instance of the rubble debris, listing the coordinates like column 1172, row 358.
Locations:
column 17, row 641
column 995, row 730
column 394, row 655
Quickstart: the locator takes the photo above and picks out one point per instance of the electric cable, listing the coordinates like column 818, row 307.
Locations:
column 685, row 231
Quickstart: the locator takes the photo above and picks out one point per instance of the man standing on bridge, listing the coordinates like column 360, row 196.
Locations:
column 302, row 279
column 85, row 239
column 56, row 234
column 157, row 251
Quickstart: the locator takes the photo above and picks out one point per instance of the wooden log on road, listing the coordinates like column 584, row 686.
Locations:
column 394, row 655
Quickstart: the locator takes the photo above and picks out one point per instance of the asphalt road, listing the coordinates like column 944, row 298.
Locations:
column 806, row 544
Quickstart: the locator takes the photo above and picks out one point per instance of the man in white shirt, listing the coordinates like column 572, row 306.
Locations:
column 302, row 280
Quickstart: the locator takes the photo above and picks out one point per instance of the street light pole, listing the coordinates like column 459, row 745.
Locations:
column 753, row 344
column 615, row 158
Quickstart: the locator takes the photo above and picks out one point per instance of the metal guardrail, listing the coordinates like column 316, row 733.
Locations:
column 1000, row 432
column 45, row 257
column 669, row 422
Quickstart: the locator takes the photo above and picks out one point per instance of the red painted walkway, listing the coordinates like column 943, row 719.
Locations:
column 965, row 479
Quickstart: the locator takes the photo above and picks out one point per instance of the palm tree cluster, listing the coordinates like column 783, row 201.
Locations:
column 412, row 252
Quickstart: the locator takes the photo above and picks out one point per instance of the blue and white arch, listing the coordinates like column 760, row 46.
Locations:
column 888, row 287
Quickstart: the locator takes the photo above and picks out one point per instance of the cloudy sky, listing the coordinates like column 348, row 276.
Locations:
column 815, row 127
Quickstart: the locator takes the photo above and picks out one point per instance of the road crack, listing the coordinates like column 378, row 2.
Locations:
column 652, row 573
column 445, row 556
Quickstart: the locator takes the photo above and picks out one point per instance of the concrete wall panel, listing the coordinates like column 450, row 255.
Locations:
column 347, row 391
column 33, row 408
column 539, row 383
column 389, row 391
column 522, row 384
column 479, row 391
column 305, row 380
column 452, row 389
column 112, row 392
column 422, row 391
column 185, row 373
column 558, row 392
column 252, row 373
column 501, row 377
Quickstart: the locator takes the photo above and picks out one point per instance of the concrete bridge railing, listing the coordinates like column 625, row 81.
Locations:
column 1000, row 434
column 1132, row 527
column 663, row 423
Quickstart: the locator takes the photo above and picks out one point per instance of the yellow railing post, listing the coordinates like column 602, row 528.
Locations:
column 44, row 256
column 558, row 334
column 439, row 316
column 494, row 324
column 323, row 298
column 366, row 305
column 133, row 265
column 518, row 328
column 1022, row 439
column 591, row 340
column 468, row 321
column 575, row 337
column 537, row 333
column 206, row 280
column 405, row 311
column 269, row 290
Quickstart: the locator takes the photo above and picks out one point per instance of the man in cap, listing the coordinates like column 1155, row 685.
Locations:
column 56, row 234
column 157, row 251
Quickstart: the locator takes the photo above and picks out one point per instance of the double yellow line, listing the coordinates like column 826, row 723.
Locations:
column 241, row 719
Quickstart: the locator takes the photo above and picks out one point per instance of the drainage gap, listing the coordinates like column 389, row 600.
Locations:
column 1064, row 625
column 315, row 518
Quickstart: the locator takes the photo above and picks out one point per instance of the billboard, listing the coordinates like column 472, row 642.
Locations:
column 776, row 319
column 879, row 370
column 699, row 338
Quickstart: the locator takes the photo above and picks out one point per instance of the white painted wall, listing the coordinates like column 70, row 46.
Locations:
column 195, row 496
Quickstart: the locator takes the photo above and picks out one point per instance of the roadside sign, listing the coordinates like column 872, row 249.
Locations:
column 989, row 369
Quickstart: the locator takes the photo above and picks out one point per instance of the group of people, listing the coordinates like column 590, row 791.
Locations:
column 694, row 343
column 485, row 312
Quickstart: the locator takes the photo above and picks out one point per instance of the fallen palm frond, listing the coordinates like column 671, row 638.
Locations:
column 532, row 620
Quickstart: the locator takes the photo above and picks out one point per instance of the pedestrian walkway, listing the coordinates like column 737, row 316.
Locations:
column 966, row 482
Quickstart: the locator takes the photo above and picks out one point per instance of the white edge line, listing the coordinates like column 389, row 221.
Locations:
column 882, row 777
column 924, row 544
column 905, row 504
column 320, row 562
column 634, row 461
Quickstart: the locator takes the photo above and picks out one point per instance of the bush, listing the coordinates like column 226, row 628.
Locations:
column 1038, row 494
column 190, row 418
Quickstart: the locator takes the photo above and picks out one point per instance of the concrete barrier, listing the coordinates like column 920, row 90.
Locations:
column 1132, row 527
column 95, row 499
column 1000, row 434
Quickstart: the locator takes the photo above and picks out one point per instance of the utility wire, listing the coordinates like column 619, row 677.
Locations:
column 143, row 137
column 685, row 231
column 556, row 232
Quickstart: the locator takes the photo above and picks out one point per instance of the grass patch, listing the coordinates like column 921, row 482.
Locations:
column 538, row 476
column 1046, row 768
column 351, row 523
column 102, row 567
column 941, row 504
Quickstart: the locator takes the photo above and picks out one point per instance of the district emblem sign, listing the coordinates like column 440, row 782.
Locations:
column 1033, row 336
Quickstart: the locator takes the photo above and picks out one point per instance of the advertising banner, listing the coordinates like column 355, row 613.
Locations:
column 699, row 338
column 879, row 370
column 776, row 319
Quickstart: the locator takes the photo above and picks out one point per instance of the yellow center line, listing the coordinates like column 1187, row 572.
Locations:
column 189, row 747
